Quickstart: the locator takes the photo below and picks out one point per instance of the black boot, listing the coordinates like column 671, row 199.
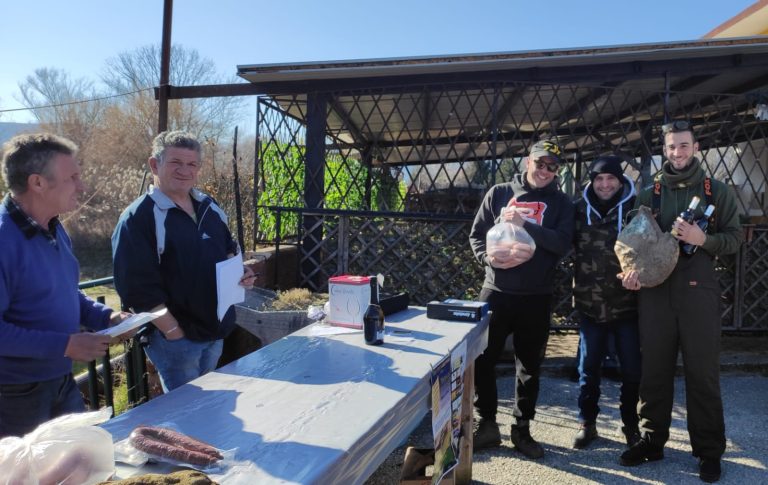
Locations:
column 586, row 435
column 709, row 469
column 524, row 442
column 631, row 434
column 641, row 452
column 486, row 435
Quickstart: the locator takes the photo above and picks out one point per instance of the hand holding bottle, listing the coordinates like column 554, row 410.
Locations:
column 688, row 233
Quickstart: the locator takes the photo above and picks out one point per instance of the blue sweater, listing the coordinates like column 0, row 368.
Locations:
column 40, row 305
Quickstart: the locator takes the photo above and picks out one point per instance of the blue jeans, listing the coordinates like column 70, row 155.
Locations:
column 25, row 406
column 179, row 361
column 593, row 349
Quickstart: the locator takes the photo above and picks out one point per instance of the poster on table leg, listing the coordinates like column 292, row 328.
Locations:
column 446, row 411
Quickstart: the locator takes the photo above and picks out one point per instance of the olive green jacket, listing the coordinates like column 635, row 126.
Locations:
column 677, row 188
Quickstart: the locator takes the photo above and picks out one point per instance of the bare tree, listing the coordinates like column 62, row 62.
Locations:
column 115, row 127
column 136, row 70
column 62, row 104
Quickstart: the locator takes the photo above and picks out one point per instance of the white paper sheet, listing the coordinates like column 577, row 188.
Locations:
column 131, row 323
column 228, row 276
column 318, row 330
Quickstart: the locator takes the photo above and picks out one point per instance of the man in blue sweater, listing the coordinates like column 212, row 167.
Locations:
column 165, row 249
column 41, row 308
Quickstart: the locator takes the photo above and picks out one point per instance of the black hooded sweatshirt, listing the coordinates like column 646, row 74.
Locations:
column 550, row 226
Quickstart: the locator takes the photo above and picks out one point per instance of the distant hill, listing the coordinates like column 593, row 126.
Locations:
column 7, row 130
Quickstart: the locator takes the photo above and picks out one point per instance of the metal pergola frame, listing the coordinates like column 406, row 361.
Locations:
column 508, row 100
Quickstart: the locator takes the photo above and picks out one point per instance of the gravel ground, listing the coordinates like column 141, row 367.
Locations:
column 745, row 461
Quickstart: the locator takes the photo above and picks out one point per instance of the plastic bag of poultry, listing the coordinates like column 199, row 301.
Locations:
column 505, row 237
column 643, row 247
column 68, row 450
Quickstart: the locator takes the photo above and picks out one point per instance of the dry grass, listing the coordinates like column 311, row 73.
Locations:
column 298, row 299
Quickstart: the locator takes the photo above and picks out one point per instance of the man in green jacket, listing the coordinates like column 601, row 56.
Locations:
column 684, row 311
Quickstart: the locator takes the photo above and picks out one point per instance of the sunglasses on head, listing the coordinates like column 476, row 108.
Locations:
column 551, row 167
column 675, row 126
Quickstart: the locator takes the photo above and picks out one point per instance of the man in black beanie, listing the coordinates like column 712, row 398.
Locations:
column 606, row 309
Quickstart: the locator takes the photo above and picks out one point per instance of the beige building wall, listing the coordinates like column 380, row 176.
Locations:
column 752, row 21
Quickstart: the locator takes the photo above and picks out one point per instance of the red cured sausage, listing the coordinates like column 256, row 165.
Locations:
column 171, row 444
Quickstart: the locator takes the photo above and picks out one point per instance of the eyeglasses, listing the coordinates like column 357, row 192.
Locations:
column 675, row 126
column 551, row 167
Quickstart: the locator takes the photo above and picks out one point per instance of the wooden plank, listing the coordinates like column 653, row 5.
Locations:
column 463, row 471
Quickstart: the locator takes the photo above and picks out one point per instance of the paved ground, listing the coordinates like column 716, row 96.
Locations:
column 744, row 385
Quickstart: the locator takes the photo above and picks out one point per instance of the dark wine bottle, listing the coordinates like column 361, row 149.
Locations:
column 373, row 320
column 688, row 214
column 702, row 222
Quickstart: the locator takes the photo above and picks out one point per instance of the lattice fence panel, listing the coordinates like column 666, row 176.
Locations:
column 754, row 308
column 436, row 149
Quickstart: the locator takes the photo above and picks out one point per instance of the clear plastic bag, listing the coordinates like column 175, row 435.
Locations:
column 68, row 450
column 127, row 453
column 504, row 237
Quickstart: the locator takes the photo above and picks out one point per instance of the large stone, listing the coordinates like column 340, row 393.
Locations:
column 643, row 247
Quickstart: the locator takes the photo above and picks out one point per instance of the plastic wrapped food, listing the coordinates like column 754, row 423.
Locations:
column 505, row 238
column 68, row 450
column 643, row 247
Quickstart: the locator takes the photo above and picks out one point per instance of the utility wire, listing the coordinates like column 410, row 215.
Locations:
column 81, row 101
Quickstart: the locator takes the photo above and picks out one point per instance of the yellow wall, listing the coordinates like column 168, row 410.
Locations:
column 752, row 21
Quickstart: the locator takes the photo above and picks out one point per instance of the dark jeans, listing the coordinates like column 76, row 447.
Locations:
column 593, row 347
column 25, row 406
column 526, row 317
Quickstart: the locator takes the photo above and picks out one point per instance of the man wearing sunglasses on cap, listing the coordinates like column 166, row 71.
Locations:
column 683, row 313
column 518, row 288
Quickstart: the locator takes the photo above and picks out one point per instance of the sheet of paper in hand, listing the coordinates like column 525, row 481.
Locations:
column 228, row 290
column 131, row 323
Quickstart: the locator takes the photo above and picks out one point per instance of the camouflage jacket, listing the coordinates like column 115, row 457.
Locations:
column 597, row 293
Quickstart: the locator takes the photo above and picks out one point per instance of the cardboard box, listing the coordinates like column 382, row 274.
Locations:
column 415, row 463
column 460, row 310
column 349, row 297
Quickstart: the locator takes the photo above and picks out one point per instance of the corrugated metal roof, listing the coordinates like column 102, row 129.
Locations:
column 445, row 108
column 649, row 52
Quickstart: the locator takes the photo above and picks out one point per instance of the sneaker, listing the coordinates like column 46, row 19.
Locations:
column 486, row 435
column 632, row 435
column 586, row 435
column 641, row 452
column 524, row 443
column 709, row 469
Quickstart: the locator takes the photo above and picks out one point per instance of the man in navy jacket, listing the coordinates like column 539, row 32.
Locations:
column 165, row 249
column 41, row 308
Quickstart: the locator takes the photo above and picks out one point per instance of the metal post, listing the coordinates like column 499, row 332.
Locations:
column 238, row 204
column 666, row 96
column 314, row 179
column 256, row 178
column 130, row 370
column 495, row 164
column 367, row 158
column 106, row 368
column 93, row 386
column 165, row 67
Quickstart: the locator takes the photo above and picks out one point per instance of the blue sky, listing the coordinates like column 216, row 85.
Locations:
column 78, row 36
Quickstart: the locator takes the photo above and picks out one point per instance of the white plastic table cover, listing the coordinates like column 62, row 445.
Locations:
column 312, row 409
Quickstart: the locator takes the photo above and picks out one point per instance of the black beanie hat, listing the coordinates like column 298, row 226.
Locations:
column 606, row 164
